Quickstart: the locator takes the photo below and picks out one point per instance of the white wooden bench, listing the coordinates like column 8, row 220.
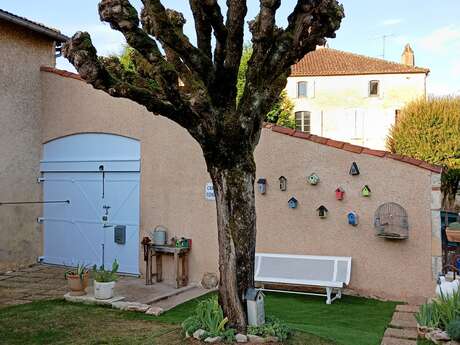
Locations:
column 329, row 272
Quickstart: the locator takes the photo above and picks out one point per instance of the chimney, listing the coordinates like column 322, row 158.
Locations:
column 408, row 57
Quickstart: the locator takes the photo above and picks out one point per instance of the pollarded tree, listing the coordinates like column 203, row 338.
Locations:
column 195, row 86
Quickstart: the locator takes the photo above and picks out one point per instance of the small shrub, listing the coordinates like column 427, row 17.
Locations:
column 103, row 276
column 208, row 316
column 428, row 315
column 453, row 329
column 272, row 328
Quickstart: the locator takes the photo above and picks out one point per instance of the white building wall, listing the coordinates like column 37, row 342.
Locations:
column 342, row 109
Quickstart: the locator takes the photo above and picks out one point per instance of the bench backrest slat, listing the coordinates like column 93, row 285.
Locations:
column 306, row 268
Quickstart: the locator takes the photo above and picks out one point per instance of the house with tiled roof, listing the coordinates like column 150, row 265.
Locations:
column 351, row 97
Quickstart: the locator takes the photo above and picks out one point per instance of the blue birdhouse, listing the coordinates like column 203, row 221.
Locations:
column 352, row 218
column 262, row 184
column 292, row 203
column 313, row 179
column 354, row 169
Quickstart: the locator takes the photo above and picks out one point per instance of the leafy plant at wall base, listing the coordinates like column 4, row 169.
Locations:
column 453, row 329
column 428, row 315
column 273, row 327
column 104, row 276
column 208, row 315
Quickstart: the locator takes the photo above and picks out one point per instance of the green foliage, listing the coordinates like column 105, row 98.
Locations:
column 79, row 270
column 440, row 312
column 272, row 328
column 428, row 315
column 429, row 129
column 127, row 59
column 208, row 316
column 102, row 275
column 282, row 112
column 453, row 329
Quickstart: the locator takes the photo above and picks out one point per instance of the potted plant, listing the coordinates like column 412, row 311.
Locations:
column 77, row 279
column 104, row 281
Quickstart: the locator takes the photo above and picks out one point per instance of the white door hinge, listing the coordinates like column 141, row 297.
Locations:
column 40, row 220
column 40, row 179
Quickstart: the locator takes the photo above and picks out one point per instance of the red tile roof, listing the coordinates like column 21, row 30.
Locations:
column 330, row 62
column 353, row 148
column 37, row 27
column 310, row 137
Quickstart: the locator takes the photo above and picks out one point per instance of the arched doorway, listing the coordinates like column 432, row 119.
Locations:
column 99, row 174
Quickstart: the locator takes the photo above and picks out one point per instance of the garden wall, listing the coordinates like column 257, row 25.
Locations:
column 173, row 179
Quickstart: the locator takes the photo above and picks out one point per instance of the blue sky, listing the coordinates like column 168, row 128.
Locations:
column 431, row 27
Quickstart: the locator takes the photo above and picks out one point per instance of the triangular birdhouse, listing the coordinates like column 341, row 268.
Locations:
column 313, row 179
column 292, row 203
column 366, row 191
column 283, row 183
column 339, row 193
column 322, row 211
column 354, row 169
column 262, row 184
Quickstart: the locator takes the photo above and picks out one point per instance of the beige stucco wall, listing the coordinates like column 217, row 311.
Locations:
column 22, row 53
column 342, row 109
column 173, row 177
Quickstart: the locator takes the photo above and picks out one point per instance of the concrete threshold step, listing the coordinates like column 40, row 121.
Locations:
column 171, row 293
column 169, row 303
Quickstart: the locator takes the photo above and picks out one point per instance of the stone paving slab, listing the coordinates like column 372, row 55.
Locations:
column 397, row 341
column 407, row 308
column 403, row 316
column 90, row 299
column 410, row 333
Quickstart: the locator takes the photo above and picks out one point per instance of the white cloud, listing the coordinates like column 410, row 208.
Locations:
column 442, row 40
column 106, row 40
column 392, row 21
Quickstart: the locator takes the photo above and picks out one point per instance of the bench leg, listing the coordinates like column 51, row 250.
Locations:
column 339, row 293
column 328, row 293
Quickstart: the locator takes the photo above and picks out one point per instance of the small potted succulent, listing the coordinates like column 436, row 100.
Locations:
column 77, row 279
column 104, row 281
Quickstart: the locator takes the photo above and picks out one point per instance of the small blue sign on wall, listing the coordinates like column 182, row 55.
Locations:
column 209, row 191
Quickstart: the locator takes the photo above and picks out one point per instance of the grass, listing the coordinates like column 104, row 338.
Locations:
column 350, row 321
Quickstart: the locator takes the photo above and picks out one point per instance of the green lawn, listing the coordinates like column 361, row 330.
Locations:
column 350, row 321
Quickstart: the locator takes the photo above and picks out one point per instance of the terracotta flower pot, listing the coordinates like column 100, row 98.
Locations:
column 77, row 285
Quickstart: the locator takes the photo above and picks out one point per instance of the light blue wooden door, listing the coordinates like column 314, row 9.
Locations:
column 99, row 174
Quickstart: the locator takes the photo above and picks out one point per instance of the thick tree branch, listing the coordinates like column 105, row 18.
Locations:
column 82, row 54
column 164, row 25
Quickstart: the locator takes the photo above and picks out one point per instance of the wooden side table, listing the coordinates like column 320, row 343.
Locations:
column 180, row 263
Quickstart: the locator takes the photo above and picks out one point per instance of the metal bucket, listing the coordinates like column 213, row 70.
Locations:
column 159, row 236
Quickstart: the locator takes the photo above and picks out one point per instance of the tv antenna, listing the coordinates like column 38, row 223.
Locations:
column 384, row 43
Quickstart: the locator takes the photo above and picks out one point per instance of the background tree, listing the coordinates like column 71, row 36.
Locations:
column 429, row 129
column 196, row 87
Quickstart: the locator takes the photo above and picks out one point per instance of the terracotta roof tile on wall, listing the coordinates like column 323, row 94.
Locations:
column 60, row 72
column 329, row 62
column 340, row 145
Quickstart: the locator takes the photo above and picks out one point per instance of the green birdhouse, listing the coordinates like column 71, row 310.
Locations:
column 366, row 191
column 313, row 179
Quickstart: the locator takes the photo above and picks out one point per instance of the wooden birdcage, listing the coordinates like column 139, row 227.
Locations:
column 390, row 221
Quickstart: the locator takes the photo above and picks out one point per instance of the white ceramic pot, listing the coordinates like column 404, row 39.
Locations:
column 103, row 290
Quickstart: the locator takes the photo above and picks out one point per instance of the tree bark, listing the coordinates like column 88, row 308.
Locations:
column 236, row 223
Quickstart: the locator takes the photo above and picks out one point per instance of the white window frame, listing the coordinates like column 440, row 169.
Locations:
column 306, row 89
column 303, row 121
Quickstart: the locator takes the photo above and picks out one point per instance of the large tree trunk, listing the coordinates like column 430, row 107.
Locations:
column 236, row 223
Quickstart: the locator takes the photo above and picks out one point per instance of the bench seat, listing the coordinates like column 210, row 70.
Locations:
column 329, row 272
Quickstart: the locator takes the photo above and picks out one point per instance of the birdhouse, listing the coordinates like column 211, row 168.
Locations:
column 313, row 179
column 354, row 169
column 366, row 191
column 262, row 184
column 255, row 307
column 322, row 211
column 292, row 203
column 352, row 218
column 339, row 193
column 283, row 183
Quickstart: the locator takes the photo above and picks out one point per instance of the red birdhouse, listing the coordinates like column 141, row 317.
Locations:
column 339, row 193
